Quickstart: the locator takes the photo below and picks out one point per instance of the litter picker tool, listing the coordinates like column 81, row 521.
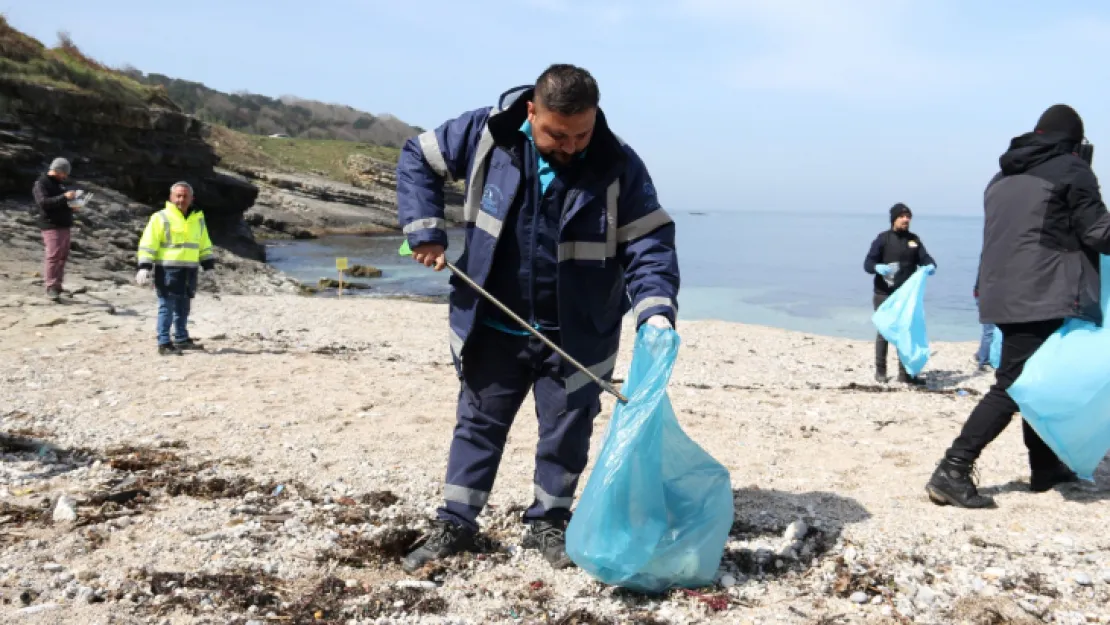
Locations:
column 607, row 387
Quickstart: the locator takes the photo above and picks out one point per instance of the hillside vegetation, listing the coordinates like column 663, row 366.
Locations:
column 337, row 142
column 330, row 158
column 25, row 59
column 295, row 117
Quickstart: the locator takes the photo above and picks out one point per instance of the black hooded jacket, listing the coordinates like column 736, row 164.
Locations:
column 1045, row 226
column 892, row 246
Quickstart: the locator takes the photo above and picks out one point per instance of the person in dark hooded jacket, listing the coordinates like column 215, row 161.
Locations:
column 1045, row 226
column 894, row 256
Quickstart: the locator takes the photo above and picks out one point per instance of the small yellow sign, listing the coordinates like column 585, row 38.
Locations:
column 341, row 264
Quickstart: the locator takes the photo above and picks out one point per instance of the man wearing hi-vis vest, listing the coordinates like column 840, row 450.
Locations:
column 563, row 226
column 174, row 246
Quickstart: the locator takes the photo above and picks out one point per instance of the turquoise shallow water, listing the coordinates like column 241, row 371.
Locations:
column 799, row 272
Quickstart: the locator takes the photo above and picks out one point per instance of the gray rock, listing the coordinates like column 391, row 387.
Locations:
column 1104, row 575
column 858, row 597
column 65, row 511
column 795, row 531
column 1082, row 578
column 925, row 596
column 727, row 581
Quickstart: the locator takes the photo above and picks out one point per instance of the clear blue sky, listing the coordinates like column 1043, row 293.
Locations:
column 779, row 105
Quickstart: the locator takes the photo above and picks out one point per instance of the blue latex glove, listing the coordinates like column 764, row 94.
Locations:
column 886, row 270
column 930, row 269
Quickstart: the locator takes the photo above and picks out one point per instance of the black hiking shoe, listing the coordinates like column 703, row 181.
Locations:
column 953, row 483
column 906, row 378
column 1044, row 479
column 188, row 344
column 168, row 350
column 881, row 377
column 550, row 539
column 445, row 539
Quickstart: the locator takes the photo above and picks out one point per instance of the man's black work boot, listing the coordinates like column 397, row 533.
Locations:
column 445, row 539
column 952, row 484
column 188, row 344
column 905, row 378
column 1043, row 480
column 550, row 539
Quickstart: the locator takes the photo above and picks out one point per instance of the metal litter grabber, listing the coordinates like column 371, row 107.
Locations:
column 607, row 387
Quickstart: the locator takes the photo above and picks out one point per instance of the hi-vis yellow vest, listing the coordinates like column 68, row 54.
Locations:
column 173, row 240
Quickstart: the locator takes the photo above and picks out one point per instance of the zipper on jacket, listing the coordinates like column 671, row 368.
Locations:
column 537, row 205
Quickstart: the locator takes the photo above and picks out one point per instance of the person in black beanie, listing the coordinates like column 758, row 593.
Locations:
column 1045, row 226
column 894, row 256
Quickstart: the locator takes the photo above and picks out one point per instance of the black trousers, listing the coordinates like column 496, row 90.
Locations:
column 881, row 344
column 996, row 409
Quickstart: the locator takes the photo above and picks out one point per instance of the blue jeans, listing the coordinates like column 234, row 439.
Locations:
column 173, row 310
column 983, row 356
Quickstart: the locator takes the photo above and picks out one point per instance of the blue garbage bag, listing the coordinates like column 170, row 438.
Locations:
column 657, row 509
column 996, row 349
column 901, row 321
column 1064, row 390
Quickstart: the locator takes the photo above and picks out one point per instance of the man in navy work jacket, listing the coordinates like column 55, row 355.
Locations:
column 563, row 226
column 894, row 256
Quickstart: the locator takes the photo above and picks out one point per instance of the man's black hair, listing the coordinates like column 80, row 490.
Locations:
column 567, row 90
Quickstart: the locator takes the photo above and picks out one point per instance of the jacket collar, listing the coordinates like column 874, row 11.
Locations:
column 603, row 154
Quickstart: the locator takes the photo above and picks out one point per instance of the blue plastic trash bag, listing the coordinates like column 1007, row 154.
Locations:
column 1064, row 390
column 901, row 321
column 996, row 349
column 657, row 509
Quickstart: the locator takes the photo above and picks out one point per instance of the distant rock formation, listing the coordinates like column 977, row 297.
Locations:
column 139, row 151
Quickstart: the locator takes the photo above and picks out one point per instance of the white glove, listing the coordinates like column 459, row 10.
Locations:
column 659, row 321
column 143, row 277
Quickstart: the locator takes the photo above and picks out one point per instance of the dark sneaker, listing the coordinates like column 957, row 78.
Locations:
column 445, row 539
column 881, row 377
column 953, row 483
column 905, row 378
column 168, row 350
column 188, row 344
column 1043, row 480
column 550, row 539
column 54, row 295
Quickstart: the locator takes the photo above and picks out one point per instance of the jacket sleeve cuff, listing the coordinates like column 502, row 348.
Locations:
column 427, row 236
column 648, row 307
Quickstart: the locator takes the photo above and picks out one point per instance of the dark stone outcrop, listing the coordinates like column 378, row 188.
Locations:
column 138, row 151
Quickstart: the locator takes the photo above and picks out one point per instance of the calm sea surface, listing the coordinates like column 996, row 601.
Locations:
column 800, row 272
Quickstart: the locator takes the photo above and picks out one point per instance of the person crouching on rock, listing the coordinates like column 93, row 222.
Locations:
column 174, row 245
column 55, row 217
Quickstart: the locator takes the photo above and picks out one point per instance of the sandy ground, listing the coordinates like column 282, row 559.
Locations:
column 276, row 476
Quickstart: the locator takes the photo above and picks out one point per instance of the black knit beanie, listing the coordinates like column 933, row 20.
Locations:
column 898, row 210
column 1061, row 118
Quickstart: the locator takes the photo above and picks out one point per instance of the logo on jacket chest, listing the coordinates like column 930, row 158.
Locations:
column 912, row 245
column 492, row 199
